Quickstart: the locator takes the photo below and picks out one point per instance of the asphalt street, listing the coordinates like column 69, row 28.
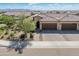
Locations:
column 41, row 52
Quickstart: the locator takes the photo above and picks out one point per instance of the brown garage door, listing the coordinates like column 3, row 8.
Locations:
column 69, row 26
column 49, row 26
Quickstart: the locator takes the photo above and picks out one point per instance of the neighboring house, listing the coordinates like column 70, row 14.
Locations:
column 56, row 21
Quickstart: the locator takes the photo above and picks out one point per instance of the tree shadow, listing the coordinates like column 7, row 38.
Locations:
column 18, row 45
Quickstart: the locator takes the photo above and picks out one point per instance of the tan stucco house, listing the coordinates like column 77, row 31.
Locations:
column 60, row 21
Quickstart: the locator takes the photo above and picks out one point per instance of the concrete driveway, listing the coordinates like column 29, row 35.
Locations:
column 58, row 36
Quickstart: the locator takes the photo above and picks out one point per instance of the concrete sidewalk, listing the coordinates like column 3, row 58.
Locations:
column 44, row 44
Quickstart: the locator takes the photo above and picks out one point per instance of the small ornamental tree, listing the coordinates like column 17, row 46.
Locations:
column 27, row 25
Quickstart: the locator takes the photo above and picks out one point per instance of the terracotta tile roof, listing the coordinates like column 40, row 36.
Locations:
column 71, row 18
column 41, row 15
column 48, row 19
column 35, row 15
column 58, row 17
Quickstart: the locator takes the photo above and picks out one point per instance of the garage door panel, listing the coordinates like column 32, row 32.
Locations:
column 49, row 26
column 69, row 26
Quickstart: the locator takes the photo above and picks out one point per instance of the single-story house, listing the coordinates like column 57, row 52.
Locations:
column 56, row 21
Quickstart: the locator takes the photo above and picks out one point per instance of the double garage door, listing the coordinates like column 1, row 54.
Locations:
column 49, row 26
column 64, row 26
column 71, row 26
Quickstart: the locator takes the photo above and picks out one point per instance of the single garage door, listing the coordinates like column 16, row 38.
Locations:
column 49, row 26
column 69, row 26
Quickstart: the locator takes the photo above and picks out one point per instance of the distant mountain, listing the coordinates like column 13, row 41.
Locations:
column 30, row 12
column 15, row 10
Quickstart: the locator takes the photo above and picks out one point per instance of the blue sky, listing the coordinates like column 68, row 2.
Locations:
column 40, row 6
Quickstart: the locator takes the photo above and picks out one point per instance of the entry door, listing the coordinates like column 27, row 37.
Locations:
column 37, row 25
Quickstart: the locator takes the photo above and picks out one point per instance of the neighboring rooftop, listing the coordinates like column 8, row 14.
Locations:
column 17, row 12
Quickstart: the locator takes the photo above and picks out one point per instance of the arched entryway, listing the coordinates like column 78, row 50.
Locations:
column 37, row 25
